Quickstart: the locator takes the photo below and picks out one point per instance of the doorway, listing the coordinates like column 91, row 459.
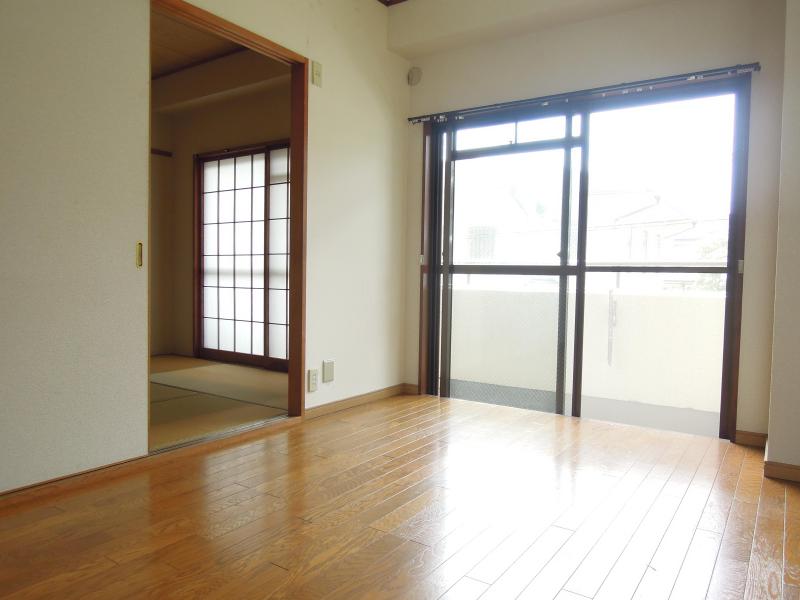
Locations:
column 228, row 137
column 590, row 255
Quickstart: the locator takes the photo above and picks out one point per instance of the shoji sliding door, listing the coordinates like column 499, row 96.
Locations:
column 242, row 256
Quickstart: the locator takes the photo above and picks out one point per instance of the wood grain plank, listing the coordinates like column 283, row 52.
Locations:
column 765, row 574
column 733, row 560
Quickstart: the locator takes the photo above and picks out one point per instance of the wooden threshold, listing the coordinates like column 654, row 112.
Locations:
column 211, row 437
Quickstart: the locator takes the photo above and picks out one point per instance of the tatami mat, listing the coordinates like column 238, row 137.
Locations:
column 173, row 362
column 159, row 393
column 248, row 384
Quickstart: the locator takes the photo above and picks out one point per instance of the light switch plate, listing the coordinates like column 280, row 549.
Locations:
column 316, row 73
column 327, row 371
column 313, row 380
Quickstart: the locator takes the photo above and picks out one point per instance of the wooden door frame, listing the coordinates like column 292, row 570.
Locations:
column 198, row 18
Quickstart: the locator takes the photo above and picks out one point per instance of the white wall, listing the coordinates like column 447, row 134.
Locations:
column 73, row 370
column 420, row 27
column 784, row 417
column 662, row 39
column 356, row 184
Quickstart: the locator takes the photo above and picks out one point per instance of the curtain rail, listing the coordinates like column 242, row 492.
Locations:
column 598, row 92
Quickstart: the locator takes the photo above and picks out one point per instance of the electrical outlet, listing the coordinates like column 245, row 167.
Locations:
column 327, row 371
column 313, row 380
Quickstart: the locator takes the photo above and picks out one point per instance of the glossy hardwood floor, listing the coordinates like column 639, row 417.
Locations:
column 416, row 497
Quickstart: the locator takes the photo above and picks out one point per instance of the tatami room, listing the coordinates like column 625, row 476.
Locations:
column 219, row 220
column 400, row 299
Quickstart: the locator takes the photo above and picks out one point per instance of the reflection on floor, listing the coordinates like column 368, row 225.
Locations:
column 192, row 398
column 671, row 418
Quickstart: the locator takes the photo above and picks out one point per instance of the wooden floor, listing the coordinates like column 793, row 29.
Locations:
column 416, row 497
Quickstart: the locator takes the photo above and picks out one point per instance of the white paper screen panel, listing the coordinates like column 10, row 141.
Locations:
column 244, row 220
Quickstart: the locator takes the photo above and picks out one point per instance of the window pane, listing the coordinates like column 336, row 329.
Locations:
column 574, row 199
column 507, row 209
column 226, row 335
column 226, row 303
column 569, row 346
column 505, row 340
column 660, row 184
column 243, row 238
column 226, row 271
column 277, row 341
column 243, row 166
column 226, row 238
column 243, row 329
column 225, row 207
column 653, row 346
column 537, row 130
column 277, row 306
column 210, row 208
column 258, row 169
column 279, row 166
column 243, row 205
column 210, row 239
column 258, row 270
column 242, row 275
column 258, row 339
column 484, row 137
column 258, row 305
column 277, row 272
column 258, row 204
column 258, row 237
column 226, row 174
column 209, row 302
column 243, row 297
column 210, row 176
column 278, row 198
column 210, row 334
column 277, row 237
column 576, row 125
column 210, row 270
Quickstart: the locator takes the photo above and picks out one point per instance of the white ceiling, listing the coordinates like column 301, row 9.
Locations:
column 420, row 27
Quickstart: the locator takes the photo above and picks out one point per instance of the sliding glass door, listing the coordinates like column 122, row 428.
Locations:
column 657, row 248
column 589, row 256
column 508, row 257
